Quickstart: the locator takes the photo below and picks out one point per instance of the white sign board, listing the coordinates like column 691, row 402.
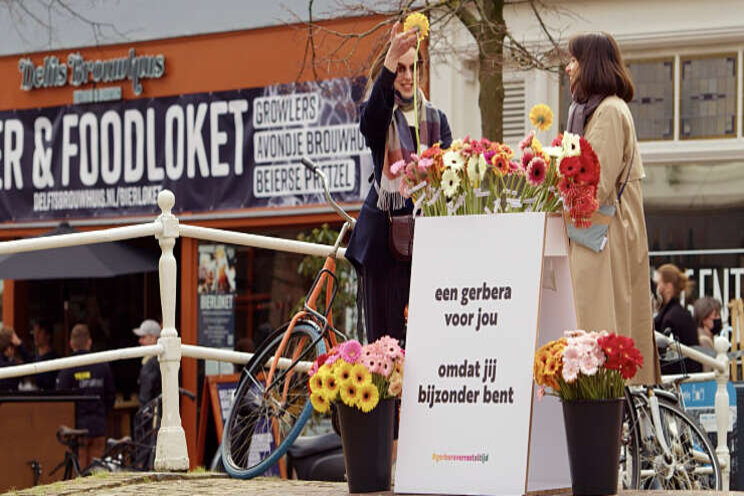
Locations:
column 467, row 409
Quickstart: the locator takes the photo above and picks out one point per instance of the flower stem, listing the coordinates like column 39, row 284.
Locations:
column 415, row 96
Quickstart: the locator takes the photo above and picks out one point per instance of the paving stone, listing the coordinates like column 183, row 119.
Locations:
column 209, row 484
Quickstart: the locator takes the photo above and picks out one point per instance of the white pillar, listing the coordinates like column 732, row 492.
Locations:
column 170, row 452
column 722, row 411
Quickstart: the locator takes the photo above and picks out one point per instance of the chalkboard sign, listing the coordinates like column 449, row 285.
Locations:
column 216, row 401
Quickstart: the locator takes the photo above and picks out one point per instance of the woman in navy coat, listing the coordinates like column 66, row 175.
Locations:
column 387, row 123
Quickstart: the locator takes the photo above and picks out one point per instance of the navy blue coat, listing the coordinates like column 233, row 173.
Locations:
column 385, row 281
column 368, row 246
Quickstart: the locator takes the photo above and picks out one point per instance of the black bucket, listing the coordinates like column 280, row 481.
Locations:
column 367, row 439
column 593, row 433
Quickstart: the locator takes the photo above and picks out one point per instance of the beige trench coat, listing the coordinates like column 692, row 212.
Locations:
column 612, row 288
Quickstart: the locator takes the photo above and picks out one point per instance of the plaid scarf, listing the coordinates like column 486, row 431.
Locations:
column 580, row 112
column 401, row 144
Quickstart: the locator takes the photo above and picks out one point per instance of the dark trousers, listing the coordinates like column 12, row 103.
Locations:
column 385, row 296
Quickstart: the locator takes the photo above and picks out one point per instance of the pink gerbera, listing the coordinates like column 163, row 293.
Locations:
column 425, row 163
column 397, row 167
column 536, row 171
column 351, row 351
column 527, row 141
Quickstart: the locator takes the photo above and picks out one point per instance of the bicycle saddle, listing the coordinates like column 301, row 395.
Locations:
column 70, row 437
column 112, row 443
column 65, row 431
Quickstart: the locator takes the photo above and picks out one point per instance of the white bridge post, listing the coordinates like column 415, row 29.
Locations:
column 170, row 453
column 722, row 411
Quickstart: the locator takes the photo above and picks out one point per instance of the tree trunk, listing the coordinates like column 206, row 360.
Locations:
column 491, row 100
column 491, row 74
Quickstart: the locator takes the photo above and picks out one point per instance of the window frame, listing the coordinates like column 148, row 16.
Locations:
column 675, row 94
column 680, row 59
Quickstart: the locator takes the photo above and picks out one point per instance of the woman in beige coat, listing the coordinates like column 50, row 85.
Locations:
column 612, row 287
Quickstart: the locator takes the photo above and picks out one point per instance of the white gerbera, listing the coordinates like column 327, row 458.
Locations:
column 453, row 160
column 450, row 182
column 553, row 151
column 571, row 145
column 476, row 169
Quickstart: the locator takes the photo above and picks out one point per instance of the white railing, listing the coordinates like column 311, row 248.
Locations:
column 170, row 451
column 720, row 374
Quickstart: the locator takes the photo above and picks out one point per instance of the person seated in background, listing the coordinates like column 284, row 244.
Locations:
column 90, row 380
column 707, row 314
column 42, row 333
column 7, row 357
column 672, row 317
column 150, row 382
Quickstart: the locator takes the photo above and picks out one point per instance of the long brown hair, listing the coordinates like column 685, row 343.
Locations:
column 379, row 60
column 670, row 273
column 376, row 67
column 601, row 67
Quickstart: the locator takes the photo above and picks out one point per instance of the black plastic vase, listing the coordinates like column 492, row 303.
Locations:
column 593, row 434
column 367, row 439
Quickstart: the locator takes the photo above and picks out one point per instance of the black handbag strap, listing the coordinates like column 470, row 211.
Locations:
column 627, row 177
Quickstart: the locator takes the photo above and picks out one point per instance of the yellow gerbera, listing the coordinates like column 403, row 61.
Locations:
column 349, row 393
column 330, row 386
column 417, row 20
column 319, row 402
column 369, row 396
column 360, row 375
column 343, row 371
column 541, row 116
column 325, row 369
column 316, row 382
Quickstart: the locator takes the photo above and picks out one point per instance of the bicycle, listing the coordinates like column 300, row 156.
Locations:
column 271, row 406
column 125, row 454
column 663, row 447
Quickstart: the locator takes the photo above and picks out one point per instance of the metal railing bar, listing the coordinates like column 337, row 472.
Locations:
column 695, row 377
column 203, row 353
column 256, row 241
column 692, row 353
column 81, row 238
column 80, row 360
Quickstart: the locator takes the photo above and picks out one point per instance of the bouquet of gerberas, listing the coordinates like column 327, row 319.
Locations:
column 482, row 176
column 586, row 365
column 359, row 376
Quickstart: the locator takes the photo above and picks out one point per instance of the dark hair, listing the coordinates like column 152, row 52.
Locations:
column 703, row 307
column 6, row 337
column 601, row 67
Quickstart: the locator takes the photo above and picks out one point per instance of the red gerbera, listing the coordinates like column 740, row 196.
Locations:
column 558, row 140
column 588, row 172
column 527, row 157
column 536, row 171
column 622, row 355
column 570, row 166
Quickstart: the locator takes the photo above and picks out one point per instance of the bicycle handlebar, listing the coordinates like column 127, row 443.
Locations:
column 315, row 170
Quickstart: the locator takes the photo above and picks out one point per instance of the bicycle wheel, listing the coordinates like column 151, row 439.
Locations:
column 629, row 469
column 261, row 425
column 692, row 464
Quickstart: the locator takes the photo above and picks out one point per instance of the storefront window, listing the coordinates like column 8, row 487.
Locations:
column 269, row 287
column 708, row 102
column 706, row 243
column 653, row 103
